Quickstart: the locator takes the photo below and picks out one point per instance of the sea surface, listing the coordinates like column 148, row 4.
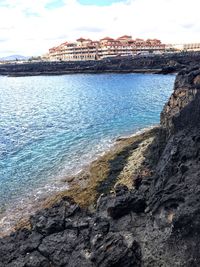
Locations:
column 52, row 126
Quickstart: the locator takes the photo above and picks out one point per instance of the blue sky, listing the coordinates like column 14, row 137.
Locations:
column 99, row 2
column 30, row 27
column 60, row 3
column 55, row 4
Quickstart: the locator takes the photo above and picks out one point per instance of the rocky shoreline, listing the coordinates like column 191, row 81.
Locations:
column 84, row 184
column 160, row 64
column 127, row 214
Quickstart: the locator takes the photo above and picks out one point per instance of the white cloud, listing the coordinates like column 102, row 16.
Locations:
column 27, row 27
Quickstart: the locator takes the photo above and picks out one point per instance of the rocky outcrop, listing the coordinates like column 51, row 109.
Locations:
column 155, row 224
column 65, row 235
column 182, row 109
column 168, row 63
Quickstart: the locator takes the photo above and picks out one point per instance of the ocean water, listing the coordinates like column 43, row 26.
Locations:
column 51, row 126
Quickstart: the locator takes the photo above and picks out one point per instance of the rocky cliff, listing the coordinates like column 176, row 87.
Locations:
column 157, row 223
column 167, row 63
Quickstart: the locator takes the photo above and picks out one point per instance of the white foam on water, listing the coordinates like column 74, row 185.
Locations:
column 28, row 205
column 24, row 207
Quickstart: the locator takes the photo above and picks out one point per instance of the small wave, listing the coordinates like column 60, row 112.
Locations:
column 137, row 132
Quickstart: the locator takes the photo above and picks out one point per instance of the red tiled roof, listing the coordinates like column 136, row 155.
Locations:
column 55, row 48
column 124, row 37
column 111, row 43
column 106, row 38
column 81, row 39
column 71, row 44
column 65, row 43
column 138, row 39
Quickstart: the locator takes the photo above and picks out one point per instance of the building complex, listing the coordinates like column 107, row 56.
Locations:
column 86, row 49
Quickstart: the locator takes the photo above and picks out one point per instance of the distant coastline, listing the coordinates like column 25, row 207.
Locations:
column 158, row 64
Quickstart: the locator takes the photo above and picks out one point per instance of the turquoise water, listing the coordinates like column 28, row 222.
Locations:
column 51, row 126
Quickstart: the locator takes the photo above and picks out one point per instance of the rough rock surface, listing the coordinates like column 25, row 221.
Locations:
column 155, row 224
column 168, row 63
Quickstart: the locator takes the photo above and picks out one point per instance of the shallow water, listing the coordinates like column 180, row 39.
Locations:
column 51, row 126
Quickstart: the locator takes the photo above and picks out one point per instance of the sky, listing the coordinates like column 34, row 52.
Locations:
column 30, row 27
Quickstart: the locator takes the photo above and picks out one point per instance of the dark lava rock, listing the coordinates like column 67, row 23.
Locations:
column 125, row 203
column 35, row 259
column 116, row 252
column 58, row 247
column 50, row 220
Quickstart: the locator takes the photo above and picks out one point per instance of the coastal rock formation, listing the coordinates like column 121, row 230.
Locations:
column 183, row 106
column 166, row 63
column 156, row 223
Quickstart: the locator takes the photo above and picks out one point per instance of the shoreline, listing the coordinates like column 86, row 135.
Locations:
column 82, row 182
column 74, row 72
column 156, row 64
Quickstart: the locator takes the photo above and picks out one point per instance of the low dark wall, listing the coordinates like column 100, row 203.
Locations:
column 168, row 63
